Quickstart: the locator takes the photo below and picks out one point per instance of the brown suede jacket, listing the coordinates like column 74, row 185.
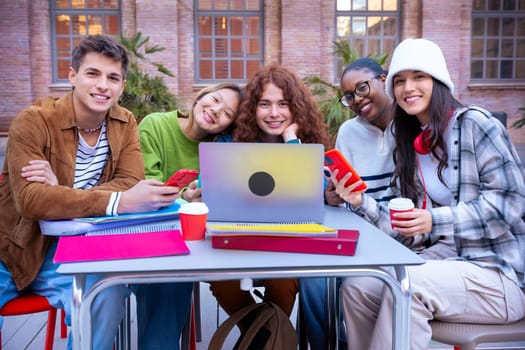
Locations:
column 47, row 130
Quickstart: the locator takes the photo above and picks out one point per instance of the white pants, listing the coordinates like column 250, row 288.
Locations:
column 454, row 291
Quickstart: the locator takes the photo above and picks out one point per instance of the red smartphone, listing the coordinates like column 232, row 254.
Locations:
column 182, row 178
column 334, row 159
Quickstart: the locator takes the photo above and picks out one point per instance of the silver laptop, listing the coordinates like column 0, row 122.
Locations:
column 262, row 182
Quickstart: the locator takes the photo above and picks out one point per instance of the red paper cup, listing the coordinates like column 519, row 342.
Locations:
column 193, row 218
column 399, row 205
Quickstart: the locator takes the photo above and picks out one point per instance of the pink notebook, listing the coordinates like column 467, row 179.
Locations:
column 120, row 246
column 344, row 244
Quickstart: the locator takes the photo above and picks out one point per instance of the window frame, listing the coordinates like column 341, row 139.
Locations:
column 229, row 58
column 486, row 15
column 73, row 38
column 366, row 37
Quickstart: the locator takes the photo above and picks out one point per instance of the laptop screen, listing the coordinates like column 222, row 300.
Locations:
column 262, row 182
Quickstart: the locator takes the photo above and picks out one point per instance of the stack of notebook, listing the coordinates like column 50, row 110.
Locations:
column 128, row 236
column 295, row 238
column 124, row 223
column 120, row 246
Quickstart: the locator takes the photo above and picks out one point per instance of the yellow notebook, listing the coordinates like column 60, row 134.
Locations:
column 288, row 230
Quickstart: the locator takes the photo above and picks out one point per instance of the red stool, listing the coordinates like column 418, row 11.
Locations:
column 31, row 303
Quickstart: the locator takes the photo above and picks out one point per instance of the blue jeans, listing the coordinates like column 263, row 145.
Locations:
column 162, row 310
column 313, row 293
column 107, row 308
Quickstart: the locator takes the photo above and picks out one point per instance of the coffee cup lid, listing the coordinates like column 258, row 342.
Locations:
column 401, row 204
column 194, row 208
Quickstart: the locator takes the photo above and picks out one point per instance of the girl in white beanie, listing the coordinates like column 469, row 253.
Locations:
column 462, row 172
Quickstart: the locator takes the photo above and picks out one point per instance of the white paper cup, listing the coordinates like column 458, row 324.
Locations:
column 399, row 205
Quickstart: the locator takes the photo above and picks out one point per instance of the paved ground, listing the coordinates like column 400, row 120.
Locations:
column 28, row 331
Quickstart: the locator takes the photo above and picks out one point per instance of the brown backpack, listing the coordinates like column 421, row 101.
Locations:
column 271, row 329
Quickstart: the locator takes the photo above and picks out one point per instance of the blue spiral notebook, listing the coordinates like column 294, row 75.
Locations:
column 163, row 213
column 110, row 224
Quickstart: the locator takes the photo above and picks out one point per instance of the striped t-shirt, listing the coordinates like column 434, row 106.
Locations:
column 90, row 161
column 369, row 150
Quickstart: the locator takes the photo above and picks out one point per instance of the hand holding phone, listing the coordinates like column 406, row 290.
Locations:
column 182, row 178
column 334, row 159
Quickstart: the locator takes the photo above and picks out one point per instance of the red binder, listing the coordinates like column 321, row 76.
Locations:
column 344, row 244
column 120, row 246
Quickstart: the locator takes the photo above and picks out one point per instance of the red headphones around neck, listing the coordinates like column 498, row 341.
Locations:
column 422, row 145
column 422, row 142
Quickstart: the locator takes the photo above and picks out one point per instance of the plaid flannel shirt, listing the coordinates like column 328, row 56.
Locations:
column 487, row 213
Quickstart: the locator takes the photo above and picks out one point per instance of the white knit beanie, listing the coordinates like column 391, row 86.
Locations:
column 422, row 55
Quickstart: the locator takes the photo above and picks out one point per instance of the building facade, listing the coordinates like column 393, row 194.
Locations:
column 208, row 41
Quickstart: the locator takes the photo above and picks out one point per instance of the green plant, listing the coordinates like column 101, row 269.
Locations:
column 144, row 93
column 520, row 122
column 328, row 95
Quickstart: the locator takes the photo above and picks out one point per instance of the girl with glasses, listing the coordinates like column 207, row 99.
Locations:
column 367, row 142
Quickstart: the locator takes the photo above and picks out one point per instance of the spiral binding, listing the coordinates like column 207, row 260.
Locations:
column 134, row 229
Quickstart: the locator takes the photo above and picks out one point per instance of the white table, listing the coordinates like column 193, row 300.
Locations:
column 374, row 249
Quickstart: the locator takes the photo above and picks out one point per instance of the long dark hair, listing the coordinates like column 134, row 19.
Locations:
column 407, row 127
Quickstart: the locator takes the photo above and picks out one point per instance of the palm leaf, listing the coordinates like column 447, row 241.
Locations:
column 520, row 122
column 144, row 93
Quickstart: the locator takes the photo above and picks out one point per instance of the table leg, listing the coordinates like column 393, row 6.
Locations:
column 86, row 340
column 79, row 282
column 124, row 332
column 401, row 316
column 333, row 313
column 400, row 289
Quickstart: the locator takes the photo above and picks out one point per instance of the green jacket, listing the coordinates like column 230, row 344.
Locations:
column 47, row 130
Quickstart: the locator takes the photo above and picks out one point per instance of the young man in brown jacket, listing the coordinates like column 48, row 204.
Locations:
column 70, row 157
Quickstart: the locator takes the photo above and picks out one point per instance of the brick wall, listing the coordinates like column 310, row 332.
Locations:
column 298, row 34
column 41, row 60
column 452, row 34
column 160, row 22
column 272, row 31
column 15, row 63
column 186, row 53
column 301, row 36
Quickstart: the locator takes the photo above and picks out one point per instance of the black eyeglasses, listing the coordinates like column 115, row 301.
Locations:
column 362, row 90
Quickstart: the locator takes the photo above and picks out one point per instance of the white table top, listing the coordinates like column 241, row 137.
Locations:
column 374, row 248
